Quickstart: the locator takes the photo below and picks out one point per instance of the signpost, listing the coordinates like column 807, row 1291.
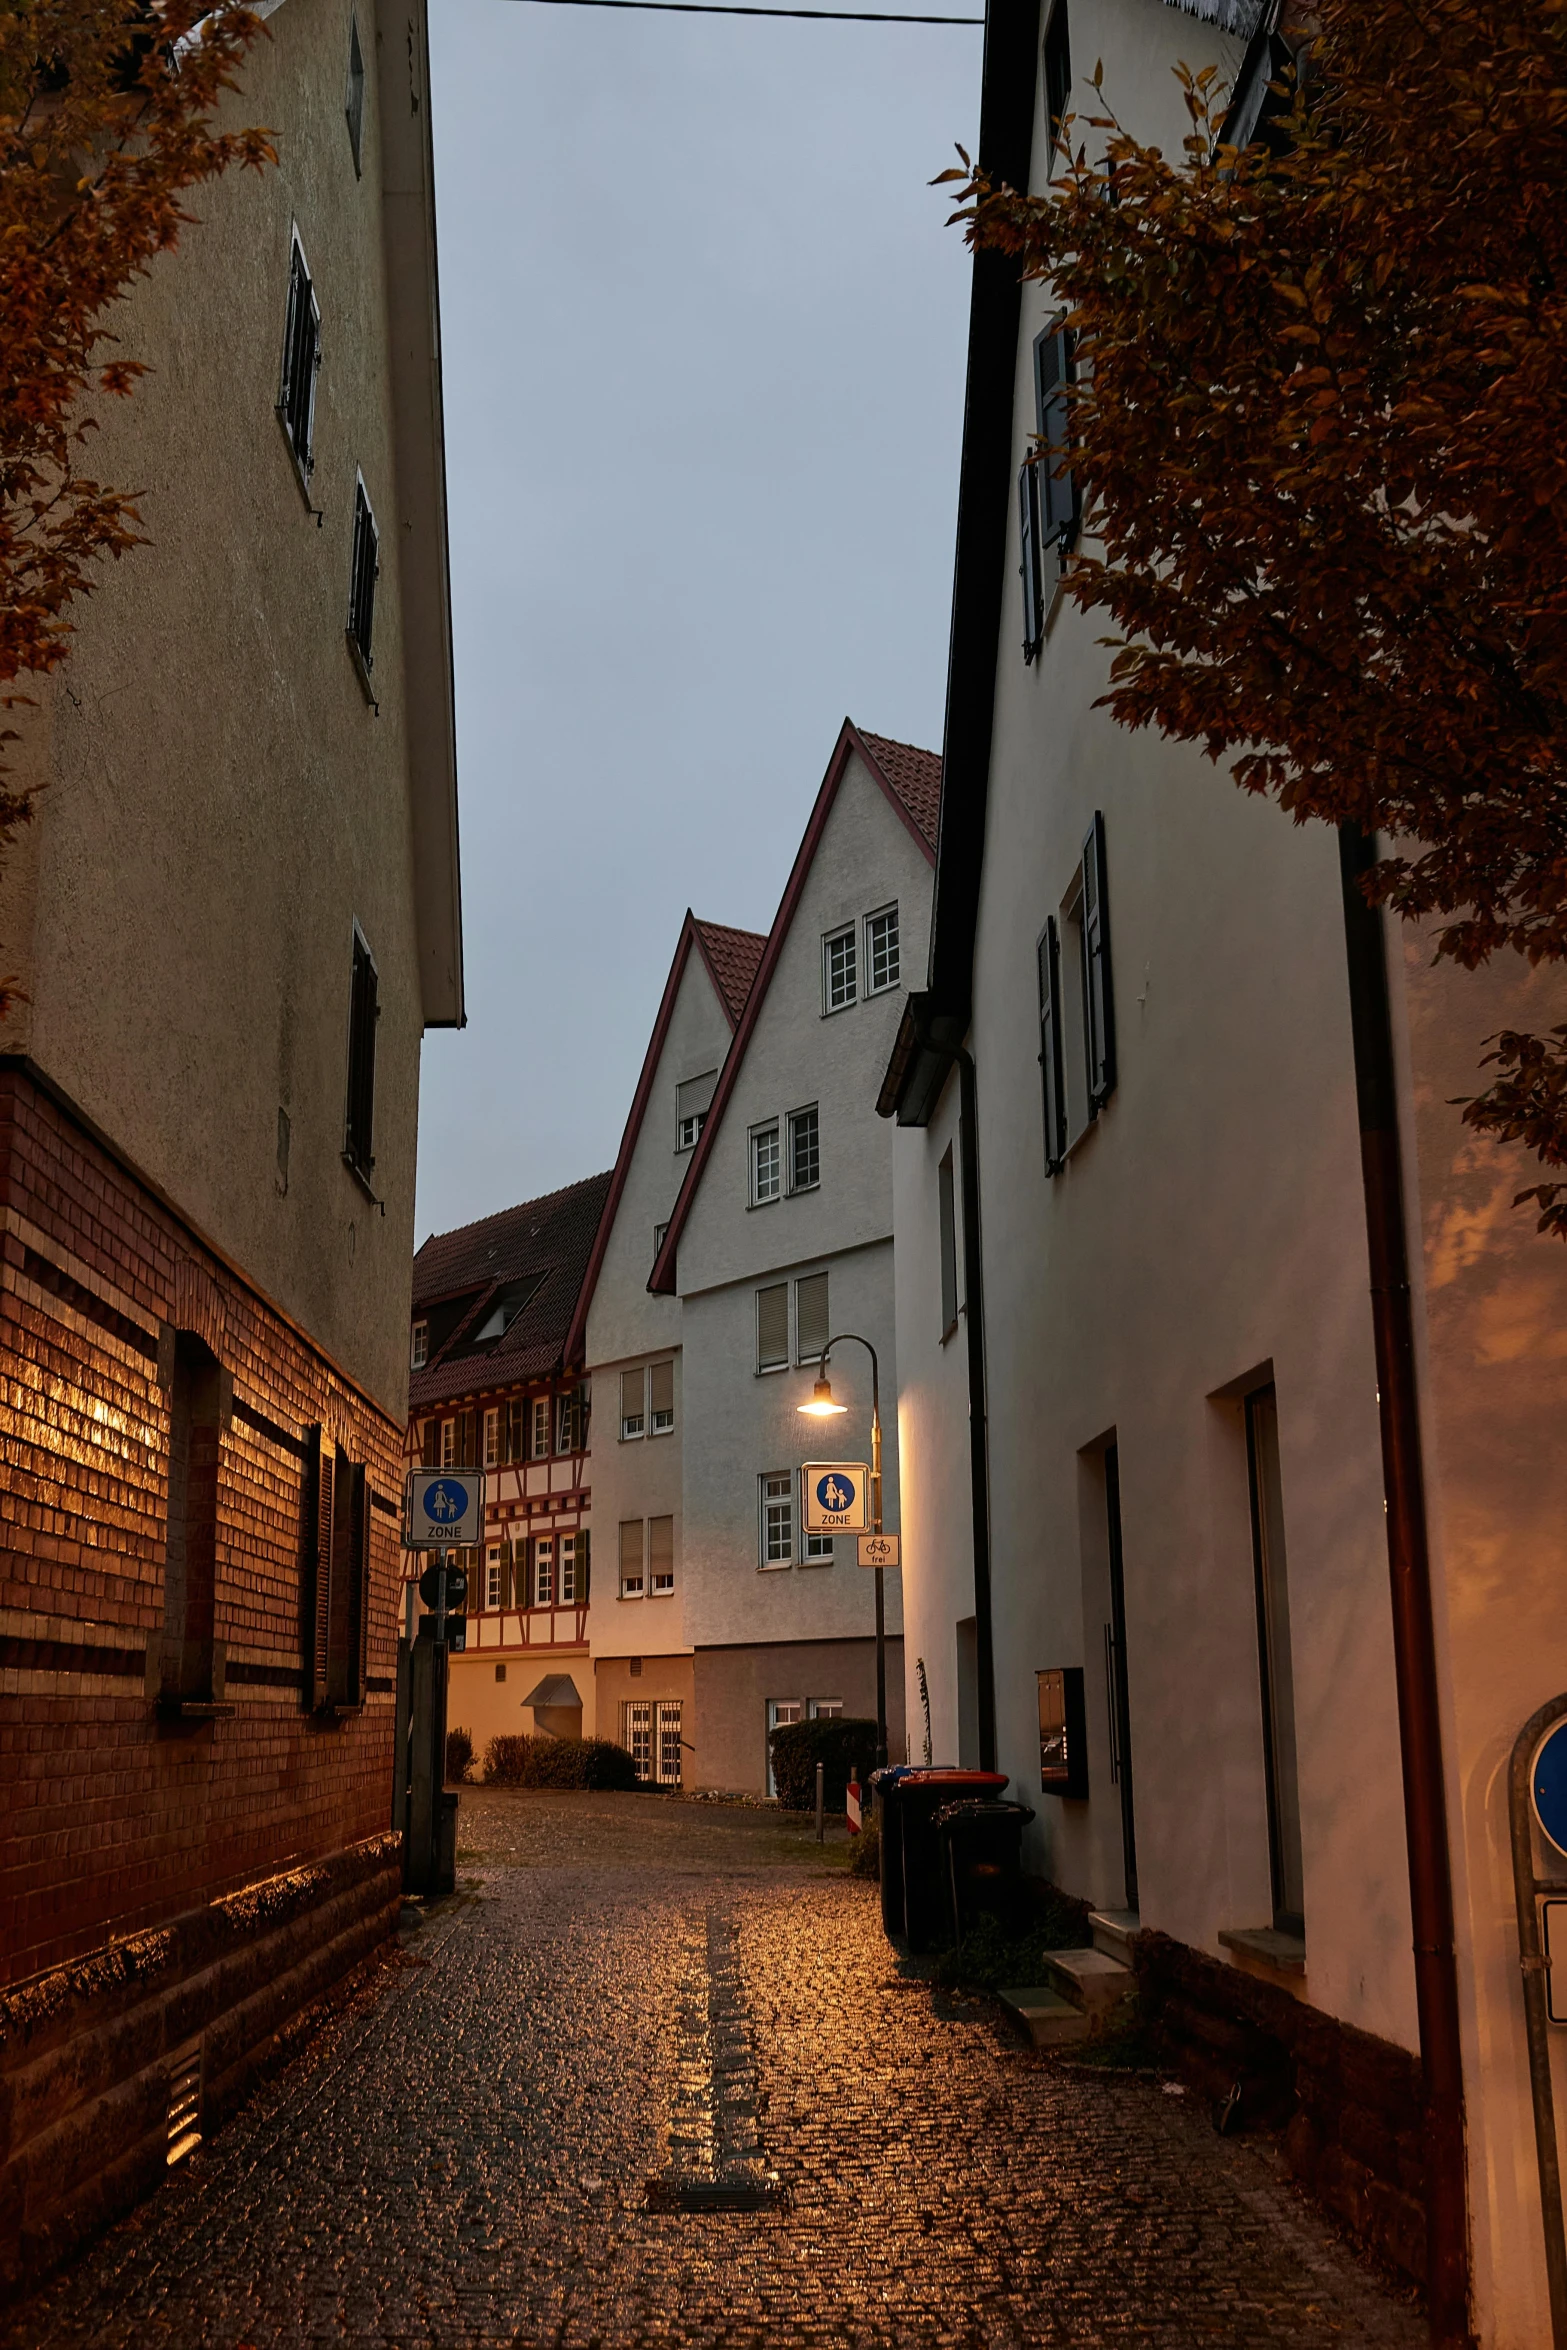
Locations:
column 443, row 1511
column 834, row 1494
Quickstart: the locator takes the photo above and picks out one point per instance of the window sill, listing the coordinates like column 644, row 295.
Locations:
column 362, row 1178
column 770, row 1370
column 831, row 1011
column 1265, row 1951
column 632, row 1596
column 767, row 1203
column 775, row 1566
column 799, row 1190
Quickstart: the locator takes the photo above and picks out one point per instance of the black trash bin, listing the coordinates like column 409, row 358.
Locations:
column 884, row 1790
column 921, row 1794
column 982, row 1862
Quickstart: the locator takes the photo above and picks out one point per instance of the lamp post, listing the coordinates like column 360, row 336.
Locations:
column 823, row 1406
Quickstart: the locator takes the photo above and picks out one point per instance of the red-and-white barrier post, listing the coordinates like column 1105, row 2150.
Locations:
column 855, row 1799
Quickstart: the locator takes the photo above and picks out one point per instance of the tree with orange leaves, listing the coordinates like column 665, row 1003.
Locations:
column 106, row 119
column 1319, row 426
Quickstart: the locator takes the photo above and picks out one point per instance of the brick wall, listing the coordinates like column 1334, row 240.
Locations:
column 116, row 1820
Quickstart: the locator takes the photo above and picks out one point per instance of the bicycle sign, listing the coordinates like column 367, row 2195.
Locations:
column 443, row 1509
column 835, row 1496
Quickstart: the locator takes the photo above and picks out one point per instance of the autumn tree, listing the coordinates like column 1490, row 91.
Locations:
column 1320, row 430
column 106, row 120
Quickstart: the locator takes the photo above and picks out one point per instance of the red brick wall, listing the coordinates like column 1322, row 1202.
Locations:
column 112, row 1819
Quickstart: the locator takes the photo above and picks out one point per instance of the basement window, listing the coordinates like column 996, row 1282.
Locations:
column 184, row 2114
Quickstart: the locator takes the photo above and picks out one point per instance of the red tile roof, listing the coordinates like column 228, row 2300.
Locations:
column 732, row 957
column 545, row 1242
column 914, row 775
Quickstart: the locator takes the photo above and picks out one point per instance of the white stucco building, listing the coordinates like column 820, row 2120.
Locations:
column 1156, row 1466
column 750, row 1219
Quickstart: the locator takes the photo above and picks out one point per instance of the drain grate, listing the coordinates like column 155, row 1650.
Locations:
column 184, row 2129
column 671, row 2194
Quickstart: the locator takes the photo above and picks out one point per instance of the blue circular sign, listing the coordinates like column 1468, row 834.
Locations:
column 1548, row 1785
column 834, row 1493
column 445, row 1500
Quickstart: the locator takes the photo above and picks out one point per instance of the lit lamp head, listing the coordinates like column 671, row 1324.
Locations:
column 821, row 1405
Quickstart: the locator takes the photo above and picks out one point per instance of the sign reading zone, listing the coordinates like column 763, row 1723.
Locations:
column 443, row 1508
column 834, row 1494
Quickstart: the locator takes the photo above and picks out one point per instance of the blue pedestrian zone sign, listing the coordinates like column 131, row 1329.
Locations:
column 1548, row 1785
column 835, row 1496
column 443, row 1509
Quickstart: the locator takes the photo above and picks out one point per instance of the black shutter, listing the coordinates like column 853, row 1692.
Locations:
column 301, row 357
column 1098, row 996
column 1051, row 1068
column 1029, row 568
column 1058, row 505
column 365, row 571
column 349, row 1678
column 364, row 1011
column 316, row 1564
column 584, row 1566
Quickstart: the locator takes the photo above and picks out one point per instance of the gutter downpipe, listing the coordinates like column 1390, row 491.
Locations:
column 1527, row 1889
column 1414, row 1634
column 978, row 1421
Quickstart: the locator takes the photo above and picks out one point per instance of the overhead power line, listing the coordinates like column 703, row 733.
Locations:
column 719, row 8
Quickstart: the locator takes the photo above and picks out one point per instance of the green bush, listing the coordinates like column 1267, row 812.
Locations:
column 558, row 1762
column 865, row 1859
column 839, row 1746
column 459, row 1757
column 988, row 1958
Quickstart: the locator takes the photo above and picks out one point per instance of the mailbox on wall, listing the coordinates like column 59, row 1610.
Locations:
column 1063, row 1733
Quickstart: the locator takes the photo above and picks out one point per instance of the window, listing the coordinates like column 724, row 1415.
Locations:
column 571, row 1421
column 691, row 1106
column 430, row 1445
column 637, row 1735
column 1051, row 1070
column 364, row 571
column 421, row 1348
column 1058, row 77
column 494, row 1577
column 650, row 1731
column 781, row 1711
column 661, row 1398
column 825, row 1709
column 946, row 1210
column 632, row 1583
column 818, row 1550
column 777, row 1519
column 661, row 1555
column 1047, row 492
column 1098, row 1001
column 541, row 1427
column 805, row 1149
column 574, row 1568
column 840, row 979
column 1077, row 1005
column 811, row 1331
column 363, row 1013
column 337, row 1576
column 1273, row 1645
column 881, row 951
column 492, row 1439
column 544, row 1570
column 354, row 95
column 772, row 1326
column 764, row 1163
column 669, row 1742
column 191, row 1529
column 632, row 1420
column 296, row 404
column 660, row 1235
column 448, row 1444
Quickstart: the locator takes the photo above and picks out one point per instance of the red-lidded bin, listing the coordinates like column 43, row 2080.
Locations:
column 982, row 1846
column 921, row 1794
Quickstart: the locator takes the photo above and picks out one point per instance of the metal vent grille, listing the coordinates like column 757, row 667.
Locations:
column 185, row 2102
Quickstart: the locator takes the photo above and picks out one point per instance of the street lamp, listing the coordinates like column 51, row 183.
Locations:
column 824, row 1406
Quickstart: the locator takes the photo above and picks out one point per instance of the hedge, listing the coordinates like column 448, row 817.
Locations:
column 839, row 1745
column 557, row 1762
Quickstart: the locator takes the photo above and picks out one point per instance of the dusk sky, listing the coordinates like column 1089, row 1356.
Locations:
column 703, row 344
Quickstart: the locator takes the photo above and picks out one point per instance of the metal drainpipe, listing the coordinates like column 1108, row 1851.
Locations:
column 978, row 1426
column 1414, row 1637
column 1527, row 1887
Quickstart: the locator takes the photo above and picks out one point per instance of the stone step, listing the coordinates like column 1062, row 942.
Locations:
column 1049, row 2020
column 1092, row 1981
column 1111, row 1931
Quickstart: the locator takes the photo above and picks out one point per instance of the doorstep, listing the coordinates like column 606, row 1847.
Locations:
column 1049, row 2020
column 1113, row 1931
column 1093, row 1981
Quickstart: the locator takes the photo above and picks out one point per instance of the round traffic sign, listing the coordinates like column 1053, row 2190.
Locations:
column 1548, row 1784
column 834, row 1493
column 445, row 1499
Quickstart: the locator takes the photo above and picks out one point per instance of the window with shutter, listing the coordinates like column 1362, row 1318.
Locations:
column 772, row 1326
column 449, row 1444
column 1051, row 1067
column 811, row 1330
column 364, row 1011
column 1057, row 502
column 661, row 1555
column 348, row 1593
column 571, row 1580
column 946, row 1207
column 191, row 1527
column 354, row 95
column 1030, row 567
column 661, row 1398
column 633, row 1421
column 492, row 1439
column 692, row 1098
column 632, row 1585
column 1098, row 995
column 316, row 1500
column 544, row 1571
column 515, row 1414
column 364, row 571
column 296, row 404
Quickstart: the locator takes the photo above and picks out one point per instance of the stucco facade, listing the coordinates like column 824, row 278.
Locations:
column 1199, row 1255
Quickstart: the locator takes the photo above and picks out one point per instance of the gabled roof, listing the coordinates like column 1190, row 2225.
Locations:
column 911, row 779
column 545, row 1242
column 730, row 959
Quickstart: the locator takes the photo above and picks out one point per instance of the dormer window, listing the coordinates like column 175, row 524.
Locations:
column 421, row 1345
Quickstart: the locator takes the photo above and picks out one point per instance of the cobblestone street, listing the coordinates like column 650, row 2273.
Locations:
column 634, row 2005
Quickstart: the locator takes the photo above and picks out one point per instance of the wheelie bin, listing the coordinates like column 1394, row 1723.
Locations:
column 921, row 1794
column 982, row 1855
column 884, row 1789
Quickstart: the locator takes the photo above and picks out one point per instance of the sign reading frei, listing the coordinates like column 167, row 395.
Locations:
column 443, row 1508
column 878, row 1550
column 834, row 1496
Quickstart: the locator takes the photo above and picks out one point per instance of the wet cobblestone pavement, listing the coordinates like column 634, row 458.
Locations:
column 632, row 1991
